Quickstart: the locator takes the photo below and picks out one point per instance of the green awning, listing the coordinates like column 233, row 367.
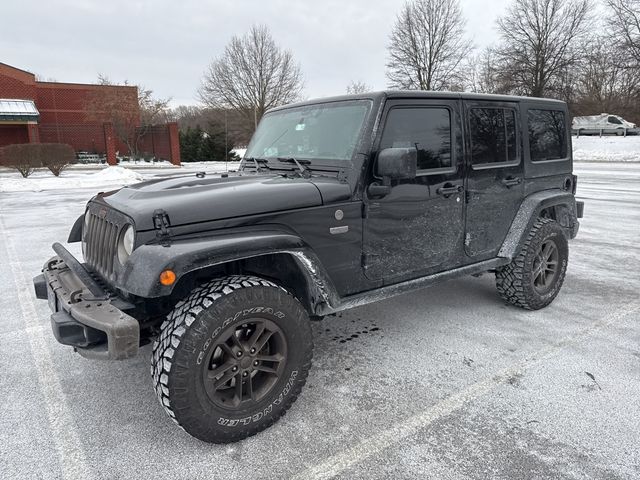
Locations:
column 12, row 110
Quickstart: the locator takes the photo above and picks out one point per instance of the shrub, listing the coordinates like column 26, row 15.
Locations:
column 26, row 157
column 22, row 157
column 56, row 156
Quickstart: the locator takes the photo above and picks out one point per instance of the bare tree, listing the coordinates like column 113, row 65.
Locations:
column 131, row 116
column 606, row 83
column 480, row 73
column 539, row 44
column 359, row 86
column 625, row 22
column 252, row 75
column 427, row 46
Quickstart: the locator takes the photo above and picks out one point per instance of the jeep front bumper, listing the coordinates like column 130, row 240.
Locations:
column 84, row 315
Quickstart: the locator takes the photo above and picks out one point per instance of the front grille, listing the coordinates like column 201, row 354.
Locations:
column 101, row 243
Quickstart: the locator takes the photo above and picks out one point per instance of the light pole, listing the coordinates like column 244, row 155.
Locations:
column 226, row 141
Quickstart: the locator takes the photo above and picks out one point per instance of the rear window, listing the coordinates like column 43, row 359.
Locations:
column 547, row 135
column 493, row 135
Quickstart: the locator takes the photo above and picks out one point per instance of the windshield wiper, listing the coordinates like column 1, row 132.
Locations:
column 257, row 162
column 300, row 163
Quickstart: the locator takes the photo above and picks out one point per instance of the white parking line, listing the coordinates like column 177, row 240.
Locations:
column 63, row 432
column 376, row 444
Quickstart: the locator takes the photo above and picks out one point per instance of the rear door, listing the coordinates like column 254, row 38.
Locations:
column 495, row 185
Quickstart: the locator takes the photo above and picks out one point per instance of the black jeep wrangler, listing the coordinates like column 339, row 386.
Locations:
column 338, row 202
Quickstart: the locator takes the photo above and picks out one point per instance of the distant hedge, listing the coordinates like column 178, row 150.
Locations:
column 26, row 157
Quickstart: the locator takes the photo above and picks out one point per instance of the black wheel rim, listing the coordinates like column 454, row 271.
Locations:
column 545, row 266
column 245, row 363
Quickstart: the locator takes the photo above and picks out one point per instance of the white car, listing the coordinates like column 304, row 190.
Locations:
column 602, row 124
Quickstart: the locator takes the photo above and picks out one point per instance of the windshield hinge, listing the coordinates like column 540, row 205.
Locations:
column 161, row 223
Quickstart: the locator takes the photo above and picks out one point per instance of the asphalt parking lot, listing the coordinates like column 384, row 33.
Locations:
column 445, row 383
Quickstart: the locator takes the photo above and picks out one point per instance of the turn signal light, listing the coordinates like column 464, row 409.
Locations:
column 167, row 277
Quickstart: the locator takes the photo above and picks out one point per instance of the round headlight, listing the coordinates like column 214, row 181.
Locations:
column 125, row 245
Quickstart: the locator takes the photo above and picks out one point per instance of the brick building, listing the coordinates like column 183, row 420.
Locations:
column 55, row 112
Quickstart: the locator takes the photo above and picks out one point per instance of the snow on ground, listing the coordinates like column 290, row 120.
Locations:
column 44, row 180
column 444, row 383
column 100, row 177
column 606, row 148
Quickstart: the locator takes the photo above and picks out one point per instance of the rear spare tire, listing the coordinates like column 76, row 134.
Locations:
column 232, row 358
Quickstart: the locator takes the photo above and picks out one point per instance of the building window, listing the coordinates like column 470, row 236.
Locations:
column 547, row 135
column 426, row 129
column 493, row 136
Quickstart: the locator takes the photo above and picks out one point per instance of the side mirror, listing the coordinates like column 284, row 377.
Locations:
column 397, row 163
column 393, row 163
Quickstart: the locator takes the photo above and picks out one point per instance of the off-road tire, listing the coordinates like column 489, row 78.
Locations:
column 191, row 331
column 515, row 281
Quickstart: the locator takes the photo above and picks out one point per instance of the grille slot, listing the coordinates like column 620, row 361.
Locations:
column 101, row 244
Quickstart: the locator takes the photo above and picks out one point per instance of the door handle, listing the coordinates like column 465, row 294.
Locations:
column 449, row 189
column 511, row 181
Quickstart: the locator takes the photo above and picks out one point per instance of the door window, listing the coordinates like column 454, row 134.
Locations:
column 428, row 130
column 493, row 136
column 547, row 135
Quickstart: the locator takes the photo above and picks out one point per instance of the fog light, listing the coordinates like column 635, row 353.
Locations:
column 167, row 277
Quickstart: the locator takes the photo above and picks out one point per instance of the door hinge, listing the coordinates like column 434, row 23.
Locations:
column 161, row 223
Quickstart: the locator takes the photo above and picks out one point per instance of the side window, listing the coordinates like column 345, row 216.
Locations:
column 547, row 135
column 493, row 135
column 427, row 129
column 615, row 120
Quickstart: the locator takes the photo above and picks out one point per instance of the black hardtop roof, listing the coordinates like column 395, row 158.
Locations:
column 421, row 94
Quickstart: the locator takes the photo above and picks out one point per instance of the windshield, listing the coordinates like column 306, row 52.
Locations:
column 328, row 131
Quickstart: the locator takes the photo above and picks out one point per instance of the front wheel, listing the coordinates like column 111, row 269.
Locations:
column 533, row 279
column 232, row 358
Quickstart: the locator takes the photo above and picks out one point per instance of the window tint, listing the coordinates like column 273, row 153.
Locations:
column 493, row 135
column 426, row 129
column 547, row 135
column 615, row 120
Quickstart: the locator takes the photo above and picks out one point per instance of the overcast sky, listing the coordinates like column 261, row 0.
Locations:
column 167, row 44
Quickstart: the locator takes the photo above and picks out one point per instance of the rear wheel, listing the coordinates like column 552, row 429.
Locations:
column 232, row 358
column 534, row 278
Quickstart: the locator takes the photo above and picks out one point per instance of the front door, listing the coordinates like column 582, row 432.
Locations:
column 495, row 185
column 417, row 228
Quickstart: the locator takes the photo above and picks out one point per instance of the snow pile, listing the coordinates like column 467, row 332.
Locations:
column 116, row 174
column 110, row 177
column 239, row 151
column 606, row 149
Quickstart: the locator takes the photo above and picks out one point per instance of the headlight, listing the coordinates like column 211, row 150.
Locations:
column 125, row 244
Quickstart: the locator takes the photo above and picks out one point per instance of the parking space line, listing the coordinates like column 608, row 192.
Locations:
column 376, row 444
column 63, row 432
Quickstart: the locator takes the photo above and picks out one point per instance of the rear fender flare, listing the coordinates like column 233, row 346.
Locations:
column 529, row 211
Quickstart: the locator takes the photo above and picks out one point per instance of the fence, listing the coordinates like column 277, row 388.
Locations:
column 98, row 142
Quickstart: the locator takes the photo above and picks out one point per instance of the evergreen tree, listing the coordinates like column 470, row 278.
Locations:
column 190, row 144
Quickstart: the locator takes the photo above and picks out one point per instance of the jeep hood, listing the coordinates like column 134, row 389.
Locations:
column 189, row 199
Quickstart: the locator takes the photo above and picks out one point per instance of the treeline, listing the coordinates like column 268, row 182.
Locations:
column 579, row 51
column 584, row 52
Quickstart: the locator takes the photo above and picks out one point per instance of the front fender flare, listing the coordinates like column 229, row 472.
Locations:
column 142, row 271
